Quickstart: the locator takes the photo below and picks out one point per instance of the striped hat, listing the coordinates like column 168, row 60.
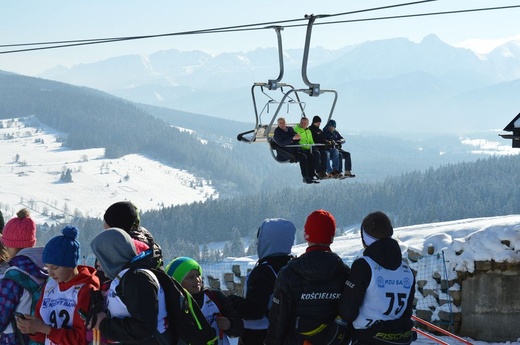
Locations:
column 181, row 266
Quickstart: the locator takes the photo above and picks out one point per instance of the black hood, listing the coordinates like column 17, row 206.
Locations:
column 317, row 265
column 386, row 252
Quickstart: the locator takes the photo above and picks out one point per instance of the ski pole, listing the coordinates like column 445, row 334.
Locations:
column 438, row 329
column 428, row 335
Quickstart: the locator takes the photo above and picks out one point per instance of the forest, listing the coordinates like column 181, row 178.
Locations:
column 483, row 188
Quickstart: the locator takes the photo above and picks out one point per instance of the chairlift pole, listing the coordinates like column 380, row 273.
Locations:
column 314, row 89
column 273, row 83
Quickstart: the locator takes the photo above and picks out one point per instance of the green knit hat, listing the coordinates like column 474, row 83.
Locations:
column 181, row 266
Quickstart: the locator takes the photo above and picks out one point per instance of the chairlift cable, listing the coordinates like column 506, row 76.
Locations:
column 245, row 27
column 267, row 25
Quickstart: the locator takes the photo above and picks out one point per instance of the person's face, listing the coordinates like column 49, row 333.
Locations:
column 282, row 124
column 317, row 124
column 60, row 274
column 12, row 251
column 331, row 128
column 304, row 123
column 192, row 282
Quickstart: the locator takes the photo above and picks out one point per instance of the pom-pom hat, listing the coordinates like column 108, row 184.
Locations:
column 20, row 232
column 320, row 227
column 63, row 250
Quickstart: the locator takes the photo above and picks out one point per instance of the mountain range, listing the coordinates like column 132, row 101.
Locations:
column 392, row 85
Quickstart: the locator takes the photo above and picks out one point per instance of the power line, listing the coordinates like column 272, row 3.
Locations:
column 247, row 27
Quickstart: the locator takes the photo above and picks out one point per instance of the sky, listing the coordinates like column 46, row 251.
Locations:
column 29, row 21
column 151, row 185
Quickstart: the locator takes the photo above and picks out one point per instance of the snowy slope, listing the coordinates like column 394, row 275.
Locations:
column 32, row 161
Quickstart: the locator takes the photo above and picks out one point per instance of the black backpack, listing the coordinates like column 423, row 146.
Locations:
column 189, row 325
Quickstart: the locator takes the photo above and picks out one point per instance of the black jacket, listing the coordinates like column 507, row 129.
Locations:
column 260, row 286
column 138, row 291
column 306, row 295
column 284, row 138
column 318, row 136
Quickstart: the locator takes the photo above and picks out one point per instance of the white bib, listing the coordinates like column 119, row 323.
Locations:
column 387, row 294
column 57, row 308
column 211, row 311
column 116, row 308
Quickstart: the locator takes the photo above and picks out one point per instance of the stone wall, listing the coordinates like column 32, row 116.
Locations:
column 438, row 298
column 483, row 305
column 491, row 302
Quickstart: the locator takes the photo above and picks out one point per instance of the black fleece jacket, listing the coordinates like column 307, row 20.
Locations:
column 138, row 291
column 306, row 295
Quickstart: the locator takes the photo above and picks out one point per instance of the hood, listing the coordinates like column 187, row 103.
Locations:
column 275, row 237
column 86, row 275
column 114, row 249
column 34, row 254
column 29, row 260
column 386, row 252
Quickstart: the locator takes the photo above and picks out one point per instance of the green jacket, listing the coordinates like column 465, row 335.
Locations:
column 305, row 137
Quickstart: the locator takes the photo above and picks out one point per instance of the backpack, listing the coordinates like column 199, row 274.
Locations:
column 189, row 325
column 26, row 282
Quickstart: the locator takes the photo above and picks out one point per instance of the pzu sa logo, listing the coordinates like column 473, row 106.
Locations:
column 382, row 282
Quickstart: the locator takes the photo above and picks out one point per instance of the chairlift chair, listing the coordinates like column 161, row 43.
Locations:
column 283, row 95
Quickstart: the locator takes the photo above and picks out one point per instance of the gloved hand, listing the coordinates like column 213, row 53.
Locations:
column 97, row 305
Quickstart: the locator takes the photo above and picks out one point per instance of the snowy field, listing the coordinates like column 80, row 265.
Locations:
column 32, row 161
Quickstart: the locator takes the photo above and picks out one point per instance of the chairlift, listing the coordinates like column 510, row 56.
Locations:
column 284, row 97
column 514, row 127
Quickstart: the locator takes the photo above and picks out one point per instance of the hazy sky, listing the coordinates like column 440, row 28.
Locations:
column 24, row 21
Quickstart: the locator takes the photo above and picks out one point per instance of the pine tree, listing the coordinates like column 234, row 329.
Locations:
column 236, row 247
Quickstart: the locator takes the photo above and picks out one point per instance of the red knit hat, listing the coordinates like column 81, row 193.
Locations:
column 320, row 227
column 20, row 232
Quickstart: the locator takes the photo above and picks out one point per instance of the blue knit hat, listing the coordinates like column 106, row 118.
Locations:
column 181, row 266
column 63, row 250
